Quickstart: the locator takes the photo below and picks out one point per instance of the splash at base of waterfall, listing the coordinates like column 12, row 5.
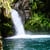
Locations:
column 28, row 36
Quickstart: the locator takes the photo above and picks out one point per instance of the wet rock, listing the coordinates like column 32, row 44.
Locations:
column 23, row 7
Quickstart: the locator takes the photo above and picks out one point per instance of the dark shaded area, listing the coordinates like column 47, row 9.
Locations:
column 40, row 18
column 6, row 25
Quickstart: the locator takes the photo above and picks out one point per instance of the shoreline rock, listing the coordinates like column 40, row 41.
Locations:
column 1, row 48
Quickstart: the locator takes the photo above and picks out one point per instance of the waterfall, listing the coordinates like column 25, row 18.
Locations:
column 18, row 25
column 20, row 32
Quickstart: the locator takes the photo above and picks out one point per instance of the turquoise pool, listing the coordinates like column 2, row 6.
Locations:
column 27, row 44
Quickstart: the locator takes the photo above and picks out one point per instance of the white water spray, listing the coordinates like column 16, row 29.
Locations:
column 20, row 32
column 17, row 23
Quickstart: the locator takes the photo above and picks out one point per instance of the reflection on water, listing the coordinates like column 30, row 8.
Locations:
column 27, row 44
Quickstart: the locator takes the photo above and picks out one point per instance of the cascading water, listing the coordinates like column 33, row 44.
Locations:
column 17, row 23
column 20, row 32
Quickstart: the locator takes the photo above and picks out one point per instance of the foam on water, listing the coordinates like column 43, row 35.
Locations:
column 28, row 36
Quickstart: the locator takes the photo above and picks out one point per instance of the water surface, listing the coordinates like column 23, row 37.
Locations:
column 27, row 44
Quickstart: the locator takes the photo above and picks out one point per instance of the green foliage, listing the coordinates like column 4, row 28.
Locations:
column 6, row 4
column 5, row 18
column 39, row 21
column 3, row 2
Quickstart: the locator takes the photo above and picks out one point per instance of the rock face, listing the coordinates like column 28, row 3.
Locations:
column 23, row 7
column 1, row 45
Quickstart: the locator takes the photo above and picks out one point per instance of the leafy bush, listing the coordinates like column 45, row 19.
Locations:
column 38, row 21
